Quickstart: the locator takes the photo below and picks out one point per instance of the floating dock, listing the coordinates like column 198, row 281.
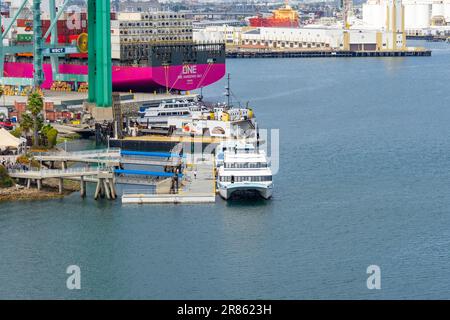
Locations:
column 197, row 189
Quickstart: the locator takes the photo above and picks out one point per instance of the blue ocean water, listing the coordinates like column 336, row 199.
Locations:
column 364, row 180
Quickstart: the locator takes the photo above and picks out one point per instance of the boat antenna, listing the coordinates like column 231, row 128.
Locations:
column 227, row 88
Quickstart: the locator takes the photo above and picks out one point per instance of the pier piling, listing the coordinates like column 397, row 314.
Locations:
column 60, row 185
column 82, row 187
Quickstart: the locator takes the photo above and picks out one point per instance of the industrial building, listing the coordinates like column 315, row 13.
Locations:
column 383, row 30
column 311, row 37
column 230, row 35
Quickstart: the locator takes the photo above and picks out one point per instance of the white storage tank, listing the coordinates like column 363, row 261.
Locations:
column 437, row 9
column 447, row 10
column 373, row 15
column 422, row 16
column 410, row 16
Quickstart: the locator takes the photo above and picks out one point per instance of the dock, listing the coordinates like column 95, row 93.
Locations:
column 246, row 54
column 174, row 182
column 199, row 189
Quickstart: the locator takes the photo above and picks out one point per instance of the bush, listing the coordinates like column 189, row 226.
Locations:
column 17, row 132
column 25, row 160
column 5, row 179
column 52, row 137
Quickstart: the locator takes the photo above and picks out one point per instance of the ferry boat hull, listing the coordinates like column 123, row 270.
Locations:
column 135, row 78
column 227, row 191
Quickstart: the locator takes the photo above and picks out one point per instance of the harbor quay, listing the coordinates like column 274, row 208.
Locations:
column 246, row 53
column 171, row 179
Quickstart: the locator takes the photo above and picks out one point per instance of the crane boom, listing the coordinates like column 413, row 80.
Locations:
column 347, row 7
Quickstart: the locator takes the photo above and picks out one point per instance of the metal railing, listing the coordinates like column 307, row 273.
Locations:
column 93, row 153
column 44, row 172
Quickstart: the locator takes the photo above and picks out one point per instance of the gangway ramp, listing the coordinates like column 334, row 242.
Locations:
column 112, row 158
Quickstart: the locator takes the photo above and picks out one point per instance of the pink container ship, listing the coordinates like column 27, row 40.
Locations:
column 150, row 52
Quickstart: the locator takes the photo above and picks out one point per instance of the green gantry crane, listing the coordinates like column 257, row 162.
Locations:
column 99, row 50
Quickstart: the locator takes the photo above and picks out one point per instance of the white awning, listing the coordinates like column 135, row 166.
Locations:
column 7, row 140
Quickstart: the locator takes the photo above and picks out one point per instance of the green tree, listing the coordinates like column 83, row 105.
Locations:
column 26, row 123
column 49, row 135
column 5, row 180
column 35, row 107
column 17, row 132
column 52, row 137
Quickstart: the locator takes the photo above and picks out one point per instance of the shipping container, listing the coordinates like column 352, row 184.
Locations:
column 50, row 116
column 25, row 38
column 49, row 106
column 20, row 106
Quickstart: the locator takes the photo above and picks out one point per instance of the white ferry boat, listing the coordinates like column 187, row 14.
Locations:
column 232, row 146
column 165, row 110
column 244, row 172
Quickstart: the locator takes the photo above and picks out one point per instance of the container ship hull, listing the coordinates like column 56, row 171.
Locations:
column 149, row 51
column 135, row 78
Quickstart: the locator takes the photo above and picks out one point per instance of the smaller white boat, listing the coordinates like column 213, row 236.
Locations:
column 161, row 114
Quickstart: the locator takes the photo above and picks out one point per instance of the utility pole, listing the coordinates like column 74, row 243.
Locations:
column 227, row 92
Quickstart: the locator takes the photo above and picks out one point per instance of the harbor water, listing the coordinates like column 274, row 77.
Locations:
column 364, row 180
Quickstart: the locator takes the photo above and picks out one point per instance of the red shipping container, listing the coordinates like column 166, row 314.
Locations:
column 20, row 106
column 23, row 23
column 49, row 106
column 67, row 115
column 50, row 116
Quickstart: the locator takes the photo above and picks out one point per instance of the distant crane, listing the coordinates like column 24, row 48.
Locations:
column 347, row 7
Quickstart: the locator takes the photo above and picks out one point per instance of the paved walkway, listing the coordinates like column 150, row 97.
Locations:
column 197, row 190
column 205, row 181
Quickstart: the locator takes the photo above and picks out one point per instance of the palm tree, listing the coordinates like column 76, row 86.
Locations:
column 2, row 94
column 26, row 123
column 35, row 106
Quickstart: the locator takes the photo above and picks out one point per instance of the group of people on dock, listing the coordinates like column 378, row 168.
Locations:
column 12, row 165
